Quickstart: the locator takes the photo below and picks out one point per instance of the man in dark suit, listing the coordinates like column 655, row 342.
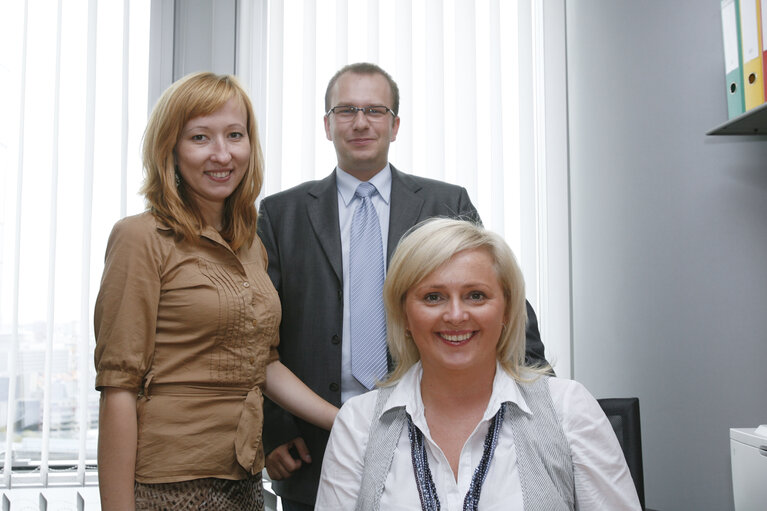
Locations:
column 306, row 231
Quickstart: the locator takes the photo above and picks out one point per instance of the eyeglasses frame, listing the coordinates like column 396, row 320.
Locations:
column 363, row 109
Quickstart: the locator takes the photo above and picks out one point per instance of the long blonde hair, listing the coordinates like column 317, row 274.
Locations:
column 195, row 95
column 426, row 247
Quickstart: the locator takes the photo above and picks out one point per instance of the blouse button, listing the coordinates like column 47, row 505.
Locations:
column 252, row 360
column 246, row 284
column 255, row 322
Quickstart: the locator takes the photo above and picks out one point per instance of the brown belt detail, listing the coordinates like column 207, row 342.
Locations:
column 247, row 440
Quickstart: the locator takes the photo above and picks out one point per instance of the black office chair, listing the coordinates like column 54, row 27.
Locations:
column 623, row 414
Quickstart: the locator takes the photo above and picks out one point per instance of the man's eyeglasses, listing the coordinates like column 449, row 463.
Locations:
column 347, row 113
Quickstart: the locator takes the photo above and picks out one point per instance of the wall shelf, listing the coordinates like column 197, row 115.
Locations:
column 753, row 122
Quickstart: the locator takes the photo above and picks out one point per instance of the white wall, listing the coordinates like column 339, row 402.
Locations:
column 669, row 239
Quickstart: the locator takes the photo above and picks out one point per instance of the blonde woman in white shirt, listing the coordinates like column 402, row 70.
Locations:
column 461, row 423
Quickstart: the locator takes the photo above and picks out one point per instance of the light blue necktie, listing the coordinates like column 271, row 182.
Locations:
column 366, row 277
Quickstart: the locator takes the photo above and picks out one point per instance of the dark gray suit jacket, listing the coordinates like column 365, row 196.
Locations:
column 300, row 230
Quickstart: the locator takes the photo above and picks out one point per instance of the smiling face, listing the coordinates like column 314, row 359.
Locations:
column 212, row 155
column 455, row 315
column 362, row 146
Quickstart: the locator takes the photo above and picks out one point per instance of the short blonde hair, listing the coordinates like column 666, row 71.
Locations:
column 195, row 95
column 425, row 248
column 364, row 68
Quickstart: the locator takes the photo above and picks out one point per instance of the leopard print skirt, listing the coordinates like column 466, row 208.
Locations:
column 208, row 494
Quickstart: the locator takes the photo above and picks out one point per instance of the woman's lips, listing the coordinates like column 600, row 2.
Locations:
column 456, row 337
column 219, row 175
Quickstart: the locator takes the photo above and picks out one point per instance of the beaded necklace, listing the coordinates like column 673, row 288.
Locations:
column 427, row 491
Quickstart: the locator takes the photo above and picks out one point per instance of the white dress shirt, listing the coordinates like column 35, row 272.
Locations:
column 347, row 203
column 602, row 478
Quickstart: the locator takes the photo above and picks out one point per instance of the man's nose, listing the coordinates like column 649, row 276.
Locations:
column 360, row 120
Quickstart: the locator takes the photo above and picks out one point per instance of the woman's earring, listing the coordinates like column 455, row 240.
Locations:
column 178, row 178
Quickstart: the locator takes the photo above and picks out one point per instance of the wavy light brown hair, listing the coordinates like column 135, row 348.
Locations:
column 196, row 95
column 425, row 248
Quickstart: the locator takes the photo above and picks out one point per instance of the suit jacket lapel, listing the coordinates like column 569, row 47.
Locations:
column 322, row 209
column 404, row 208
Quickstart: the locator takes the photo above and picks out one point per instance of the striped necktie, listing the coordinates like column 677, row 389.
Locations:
column 366, row 277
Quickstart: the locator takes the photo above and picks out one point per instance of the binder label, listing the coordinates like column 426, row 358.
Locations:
column 729, row 29
column 764, row 26
column 749, row 29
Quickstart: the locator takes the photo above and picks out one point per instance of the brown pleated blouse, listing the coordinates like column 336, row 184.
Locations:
column 190, row 327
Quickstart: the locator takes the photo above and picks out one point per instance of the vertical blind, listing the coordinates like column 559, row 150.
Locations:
column 74, row 104
column 455, row 61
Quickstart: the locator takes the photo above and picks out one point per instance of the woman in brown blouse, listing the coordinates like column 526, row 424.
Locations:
column 187, row 320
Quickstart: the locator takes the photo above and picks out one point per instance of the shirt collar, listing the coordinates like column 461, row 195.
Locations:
column 207, row 232
column 407, row 393
column 505, row 389
column 347, row 184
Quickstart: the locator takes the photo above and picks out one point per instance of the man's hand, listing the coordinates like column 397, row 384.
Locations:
column 281, row 463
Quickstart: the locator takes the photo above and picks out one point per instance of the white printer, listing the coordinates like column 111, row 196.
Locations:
column 748, row 453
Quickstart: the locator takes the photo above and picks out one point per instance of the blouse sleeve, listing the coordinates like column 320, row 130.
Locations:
column 602, row 478
column 345, row 453
column 125, row 315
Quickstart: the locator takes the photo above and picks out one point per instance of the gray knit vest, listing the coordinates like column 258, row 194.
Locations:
column 544, row 459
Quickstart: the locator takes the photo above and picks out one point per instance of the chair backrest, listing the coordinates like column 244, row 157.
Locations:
column 623, row 414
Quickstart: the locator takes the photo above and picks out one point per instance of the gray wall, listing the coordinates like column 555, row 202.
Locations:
column 669, row 239
column 188, row 36
column 205, row 37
